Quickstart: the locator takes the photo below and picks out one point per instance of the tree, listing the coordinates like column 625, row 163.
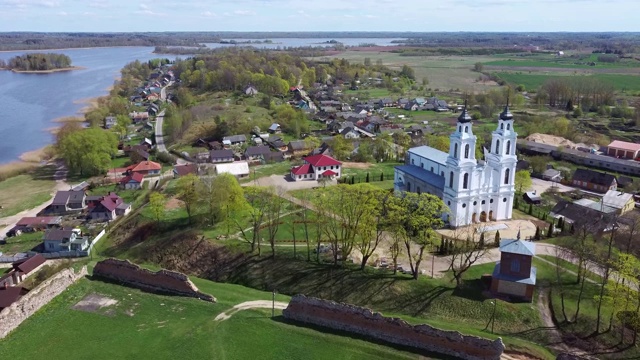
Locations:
column 481, row 242
column 408, row 72
column 258, row 199
column 341, row 147
column 272, row 212
column 523, row 180
column 374, row 221
column 421, row 214
column 156, row 204
column 550, row 231
column 187, row 192
column 464, row 255
column 478, row 67
column 606, row 263
column 496, row 241
column 222, row 196
column 537, row 235
column 88, row 151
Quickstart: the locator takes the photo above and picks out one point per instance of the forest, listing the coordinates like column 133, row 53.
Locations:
column 37, row 62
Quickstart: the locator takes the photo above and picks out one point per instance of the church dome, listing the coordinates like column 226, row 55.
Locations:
column 464, row 116
column 506, row 114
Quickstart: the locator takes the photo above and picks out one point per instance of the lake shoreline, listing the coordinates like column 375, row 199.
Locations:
column 45, row 71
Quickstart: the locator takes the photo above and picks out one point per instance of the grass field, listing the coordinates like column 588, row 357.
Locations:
column 535, row 80
column 147, row 326
column 443, row 72
column 24, row 192
column 21, row 243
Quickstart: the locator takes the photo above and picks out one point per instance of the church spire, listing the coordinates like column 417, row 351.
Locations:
column 464, row 116
column 506, row 114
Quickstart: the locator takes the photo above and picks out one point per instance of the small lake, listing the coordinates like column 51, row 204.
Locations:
column 29, row 103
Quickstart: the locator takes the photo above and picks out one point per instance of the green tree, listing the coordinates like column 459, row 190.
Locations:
column 122, row 125
column 187, row 191
column 156, row 205
column 478, row 67
column 496, row 240
column 408, row 72
column 222, row 196
column 523, row 180
column 341, row 147
column 89, row 151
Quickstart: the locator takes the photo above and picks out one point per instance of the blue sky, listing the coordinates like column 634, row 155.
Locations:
column 322, row 15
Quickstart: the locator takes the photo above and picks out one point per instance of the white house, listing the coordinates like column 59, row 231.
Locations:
column 474, row 191
column 64, row 240
column 317, row 167
column 238, row 169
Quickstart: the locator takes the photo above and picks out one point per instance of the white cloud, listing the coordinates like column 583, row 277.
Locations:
column 244, row 12
column 62, row 13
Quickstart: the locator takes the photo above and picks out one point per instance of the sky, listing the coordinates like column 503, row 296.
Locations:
column 319, row 15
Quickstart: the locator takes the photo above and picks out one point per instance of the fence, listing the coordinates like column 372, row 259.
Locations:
column 362, row 178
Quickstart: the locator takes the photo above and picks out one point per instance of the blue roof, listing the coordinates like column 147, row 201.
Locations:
column 422, row 174
column 531, row 280
column 518, row 247
column 430, row 153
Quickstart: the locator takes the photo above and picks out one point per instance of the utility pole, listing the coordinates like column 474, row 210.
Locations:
column 273, row 303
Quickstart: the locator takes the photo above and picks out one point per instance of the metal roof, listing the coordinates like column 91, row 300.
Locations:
column 518, row 247
column 616, row 199
column 430, row 153
column 531, row 280
column 422, row 174
column 236, row 168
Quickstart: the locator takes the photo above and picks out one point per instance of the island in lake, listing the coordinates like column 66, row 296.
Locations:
column 38, row 63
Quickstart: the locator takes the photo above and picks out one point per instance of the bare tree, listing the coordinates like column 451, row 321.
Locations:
column 465, row 254
column 258, row 202
column 273, row 211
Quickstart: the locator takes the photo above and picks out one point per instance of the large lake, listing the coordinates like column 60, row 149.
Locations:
column 29, row 103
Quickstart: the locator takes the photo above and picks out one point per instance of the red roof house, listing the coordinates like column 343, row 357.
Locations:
column 38, row 223
column 133, row 181
column 145, row 168
column 316, row 167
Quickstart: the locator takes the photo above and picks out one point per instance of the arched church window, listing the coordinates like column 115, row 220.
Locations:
column 506, row 176
column 502, row 126
column 508, row 126
column 509, row 147
column 466, row 151
column 451, row 179
column 459, row 128
column 466, row 129
column 497, row 146
column 465, row 181
column 455, row 150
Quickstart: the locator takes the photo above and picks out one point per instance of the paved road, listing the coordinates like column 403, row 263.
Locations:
column 159, row 137
column 61, row 184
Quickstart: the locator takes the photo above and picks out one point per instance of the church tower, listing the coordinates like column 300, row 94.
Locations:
column 461, row 162
column 501, row 157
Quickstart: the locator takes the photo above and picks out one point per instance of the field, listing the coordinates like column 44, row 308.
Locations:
column 443, row 72
column 24, row 192
column 535, row 79
column 21, row 243
column 147, row 326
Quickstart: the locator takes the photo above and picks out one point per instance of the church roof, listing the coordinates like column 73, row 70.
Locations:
column 464, row 116
column 422, row 174
column 506, row 114
column 430, row 153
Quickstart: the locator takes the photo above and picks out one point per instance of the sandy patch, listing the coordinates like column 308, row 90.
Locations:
column 95, row 302
column 256, row 304
column 355, row 165
column 37, row 156
column 66, row 119
column 173, row 204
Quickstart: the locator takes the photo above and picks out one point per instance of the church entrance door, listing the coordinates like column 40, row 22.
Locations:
column 483, row 217
column 473, row 218
column 491, row 215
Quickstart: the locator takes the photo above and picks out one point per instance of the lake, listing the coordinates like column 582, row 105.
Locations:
column 29, row 103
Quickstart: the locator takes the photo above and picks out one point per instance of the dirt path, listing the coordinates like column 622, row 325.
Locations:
column 256, row 304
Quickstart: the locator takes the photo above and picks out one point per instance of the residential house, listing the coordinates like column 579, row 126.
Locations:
column 147, row 143
column 109, row 122
column 411, row 106
column 276, row 143
column 593, row 180
column 153, row 109
column 132, row 181
column 514, row 276
column 323, row 149
column 9, row 295
column 234, row 140
column 147, row 126
column 183, row 170
column 108, row 208
column 402, row 102
column 137, row 117
column 386, row 102
column 316, row 167
column 552, row 175
column 623, row 149
column 145, row 168
column 250, row 90
column 420, row 130
column 20, row 270
column 238, row 169
column 38, row 223
column 275, row 129
column 420, row 101
column 273, row 157
column 139, row 154
column 221, row 156
column 531, row 197
column 67, row 201
column 579, row 212
column 622, row 202
column 256, row 153
column 298, row 148
column 349, row 133
column 64, row 240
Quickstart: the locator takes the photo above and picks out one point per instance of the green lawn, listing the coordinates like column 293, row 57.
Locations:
column 374, row 170
column 120, row 162
column 24, row 192
column 147, row 326
column 21, row 243
column 535, row 80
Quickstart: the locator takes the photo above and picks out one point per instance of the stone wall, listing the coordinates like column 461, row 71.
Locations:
column 372, row 325
column 12, row 316
column 165, row 281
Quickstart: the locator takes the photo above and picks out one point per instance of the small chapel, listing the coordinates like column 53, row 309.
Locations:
column 475, row 190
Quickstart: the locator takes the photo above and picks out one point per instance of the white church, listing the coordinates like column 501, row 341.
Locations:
column 474, row 190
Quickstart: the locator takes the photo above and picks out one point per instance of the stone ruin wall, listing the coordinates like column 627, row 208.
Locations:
column 165, row 281
column 364, row 322
column 12, row 316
